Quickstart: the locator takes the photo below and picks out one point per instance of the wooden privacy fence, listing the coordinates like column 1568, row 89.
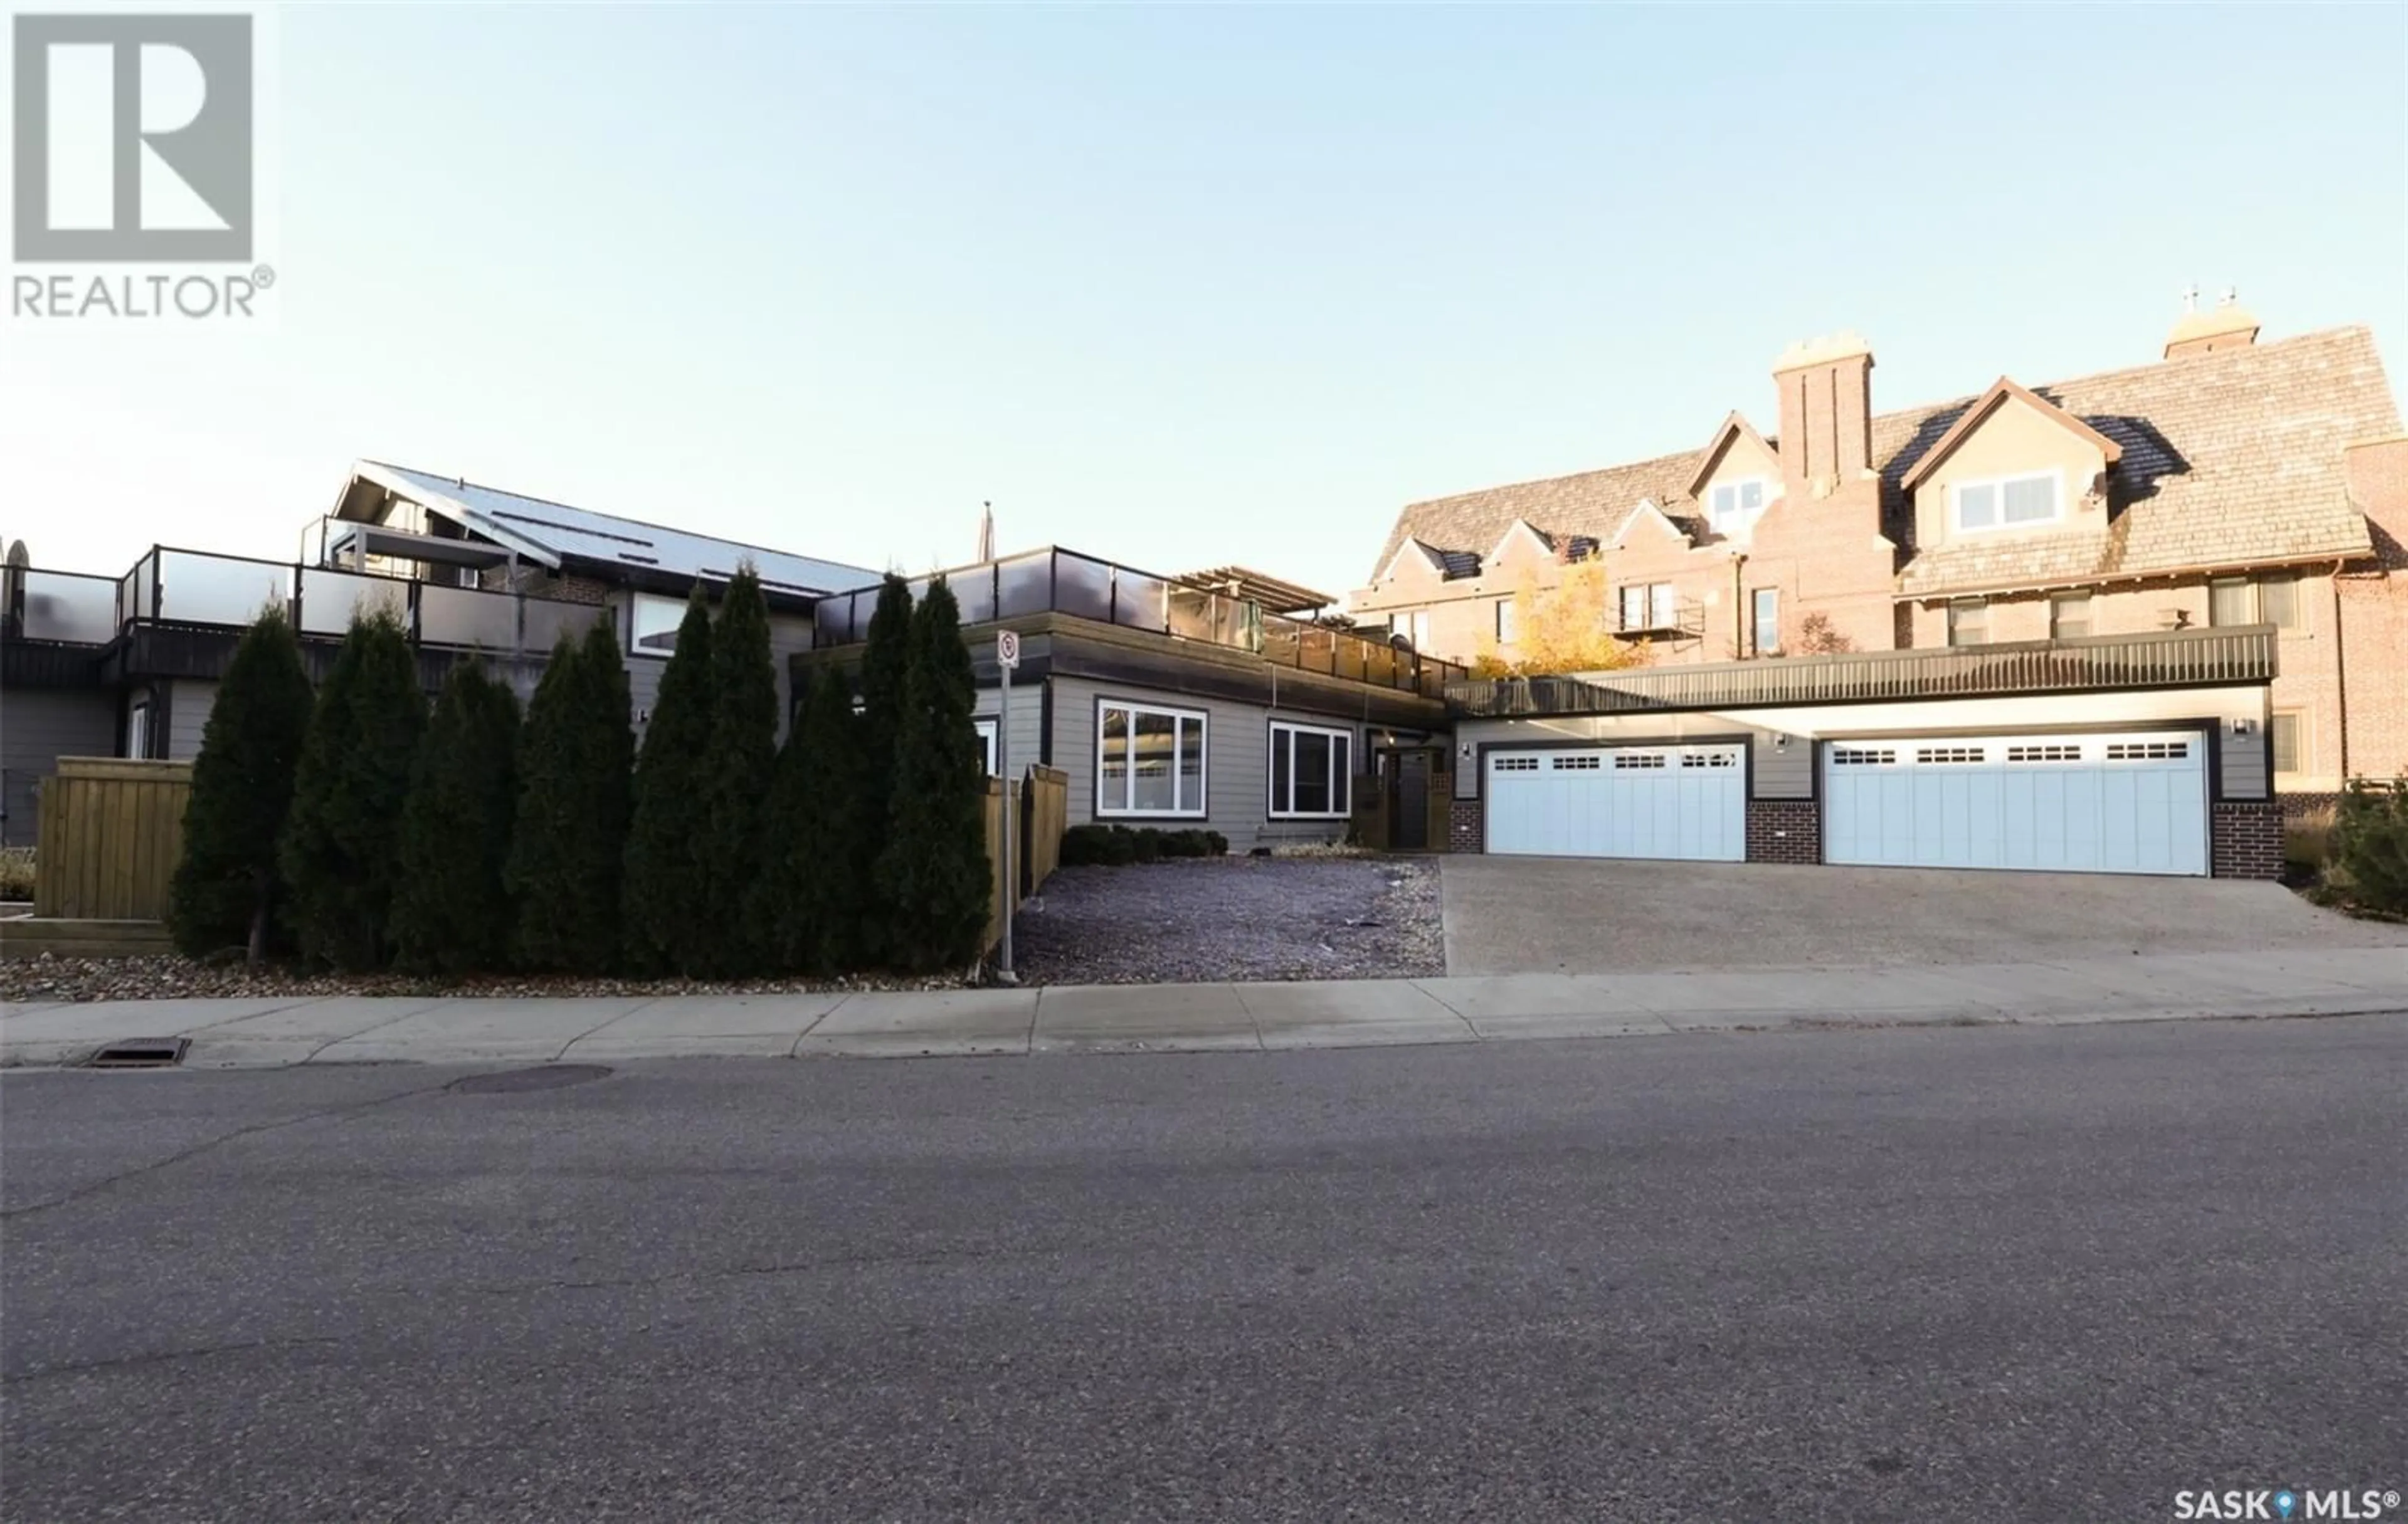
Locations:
column 1044, row 814
column 110, row 833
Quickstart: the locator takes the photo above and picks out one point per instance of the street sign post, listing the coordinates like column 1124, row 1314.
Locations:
column 1007, row 655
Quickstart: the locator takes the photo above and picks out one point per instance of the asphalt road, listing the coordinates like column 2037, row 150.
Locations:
column 1927, row 1275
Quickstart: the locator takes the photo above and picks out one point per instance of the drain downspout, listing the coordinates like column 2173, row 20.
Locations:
column 2341, row 673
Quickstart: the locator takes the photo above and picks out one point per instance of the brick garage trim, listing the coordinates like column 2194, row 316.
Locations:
column 1465, row 827
column 1784, row 830
column 2245, row 839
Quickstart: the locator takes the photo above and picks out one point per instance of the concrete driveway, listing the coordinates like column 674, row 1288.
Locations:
column 1523, row 915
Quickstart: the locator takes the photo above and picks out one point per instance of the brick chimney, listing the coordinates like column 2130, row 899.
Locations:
column 1826, row 414
column 2229, row 326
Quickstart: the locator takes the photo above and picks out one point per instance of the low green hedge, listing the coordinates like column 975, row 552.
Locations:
column 2370, row 845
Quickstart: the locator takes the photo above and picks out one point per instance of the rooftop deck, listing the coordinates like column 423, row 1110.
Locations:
column 1057, row 582
column 169, row 586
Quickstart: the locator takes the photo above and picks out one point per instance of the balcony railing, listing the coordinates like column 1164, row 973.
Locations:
column 169, row 586
column 2170, row 659
column 1057, row 582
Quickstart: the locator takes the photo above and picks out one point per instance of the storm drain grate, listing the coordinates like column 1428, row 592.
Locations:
column 142, row 1053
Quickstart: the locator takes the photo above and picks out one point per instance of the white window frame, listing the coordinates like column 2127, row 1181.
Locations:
column 1755, row 597
column 1342, row 788
column 1509, row 622
column 1739, row 515
column 2057, row 603
column 1998, row 485
column 986, row 729
column 137, row 730
column 1661, row 610
column 1182, row 808
column 636, row 624
column 1957, row 604
column 2304, row 763
column 1413, row 624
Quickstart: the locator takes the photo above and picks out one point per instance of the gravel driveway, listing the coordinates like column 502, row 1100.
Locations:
column 1237, row 918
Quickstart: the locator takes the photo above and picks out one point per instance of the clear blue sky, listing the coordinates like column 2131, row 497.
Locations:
column 1190, row 285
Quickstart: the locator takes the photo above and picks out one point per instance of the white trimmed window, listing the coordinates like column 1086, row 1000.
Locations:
column 655, row 622
column 1412, row 623
column 1509, row 622
column 2287, row 735
column 137, row 731
column 1649, row 605
column 1311, row 772
column 986, row 743
column 1149, row 760
column 1736, row 505
column 2007, row 502
column 1968, row 621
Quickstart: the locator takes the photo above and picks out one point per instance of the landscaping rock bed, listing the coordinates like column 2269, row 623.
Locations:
column 41, row 980
column 1240, row 918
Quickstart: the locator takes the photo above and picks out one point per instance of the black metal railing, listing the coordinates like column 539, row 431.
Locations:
column 2167, row 658
column 1057, row 582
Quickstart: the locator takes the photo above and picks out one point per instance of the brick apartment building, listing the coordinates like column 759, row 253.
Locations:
column 2229, row 483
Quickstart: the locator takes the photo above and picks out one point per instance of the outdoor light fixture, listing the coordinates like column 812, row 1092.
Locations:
column 2240, row 726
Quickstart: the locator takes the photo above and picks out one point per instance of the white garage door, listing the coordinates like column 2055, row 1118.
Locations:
column 2114, row 803
column 1664, row 801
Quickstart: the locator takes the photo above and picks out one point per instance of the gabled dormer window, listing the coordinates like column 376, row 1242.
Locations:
column 1735, row 505
column 2007, row 502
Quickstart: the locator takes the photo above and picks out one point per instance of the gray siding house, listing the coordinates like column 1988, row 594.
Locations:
column 1179, row 702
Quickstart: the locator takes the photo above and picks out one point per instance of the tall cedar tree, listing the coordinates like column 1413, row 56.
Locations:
column 569, row 841
column 341, row 853
column 227, row 887
column 932, row 872
column 450, row 912
column 817, row 829
column 885, row 660
column 667, row 904
column 737, row 778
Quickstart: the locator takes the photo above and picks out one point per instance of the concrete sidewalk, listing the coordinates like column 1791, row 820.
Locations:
column 1192, row 1018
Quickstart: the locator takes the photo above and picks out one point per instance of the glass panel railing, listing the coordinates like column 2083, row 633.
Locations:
column 61, row 605
column 1283, row 641
column 1082, row 587
column 832, row 621
column 1379, row 664
column 974, row 589
column 1352, row 657
column 464, row 617
column 1023, row 585
column 1318, row 651
column 330, row 600
column 1138, row 600
column 218, row 589
column 146, row 588
column 547, row 619
column 1193, row 615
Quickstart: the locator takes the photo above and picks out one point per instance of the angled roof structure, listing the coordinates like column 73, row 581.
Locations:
column 549, row 533
column 2003, row 391
column 2232, row 457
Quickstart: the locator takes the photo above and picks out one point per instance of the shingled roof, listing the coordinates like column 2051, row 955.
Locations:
column 2231, row 458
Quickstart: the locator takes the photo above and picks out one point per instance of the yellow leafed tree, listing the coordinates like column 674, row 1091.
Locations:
column 1567, row 627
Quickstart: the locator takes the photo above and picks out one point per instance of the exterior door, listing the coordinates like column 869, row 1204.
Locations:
column 1686, row 802
column 2074, row 803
